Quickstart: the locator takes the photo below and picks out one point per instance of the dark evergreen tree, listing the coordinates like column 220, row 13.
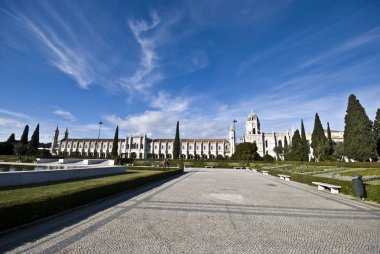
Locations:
column 246, row 151
column 34, row 141
column 331, row 143
column 12, row 138
column 177, row 143
column 358, row 135
column 319, row 142
column 376, row 129
column 286, row 148
column 295, row 153
column 305, row 150
column 6, row 148
column 24, row 136
column 115, row 145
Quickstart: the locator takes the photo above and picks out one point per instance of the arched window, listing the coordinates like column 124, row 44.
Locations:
column 254, row 130
column 266, row 143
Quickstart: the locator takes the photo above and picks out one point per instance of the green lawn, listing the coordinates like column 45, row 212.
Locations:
column 363, row 172
column 22, row 205
column 30, row 194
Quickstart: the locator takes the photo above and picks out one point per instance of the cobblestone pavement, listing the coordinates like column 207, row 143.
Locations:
column 210, row 211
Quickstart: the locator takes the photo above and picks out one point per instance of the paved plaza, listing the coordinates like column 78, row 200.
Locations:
column 210, row 211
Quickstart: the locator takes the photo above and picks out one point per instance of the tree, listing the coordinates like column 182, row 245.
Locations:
column 115, row 145
column 304, row 149
column 34, row 141
column 295, row 153
column 319, row 142
column 376, row 130
column 246, row 151
column 11, row 138
column 24, row 136
column 6, row 148
column 358, row 135
column 286, row 148
column 339, row 149
column 268, row 158
column 331, row 143
column 176, row 144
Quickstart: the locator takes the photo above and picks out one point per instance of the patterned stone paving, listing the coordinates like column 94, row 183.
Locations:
column 210, row 211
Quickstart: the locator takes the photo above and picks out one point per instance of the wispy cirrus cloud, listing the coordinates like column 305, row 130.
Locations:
column 350, row 44
column 61, row 48
column 146, row 74
column 13, row 114
column 65, row 114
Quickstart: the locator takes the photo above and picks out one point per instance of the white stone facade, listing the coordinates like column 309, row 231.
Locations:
column 143, row 147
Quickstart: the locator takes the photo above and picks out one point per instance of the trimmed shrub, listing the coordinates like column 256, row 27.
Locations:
column 15, row 214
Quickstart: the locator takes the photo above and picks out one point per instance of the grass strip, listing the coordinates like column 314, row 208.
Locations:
column 372, row 191
column 23, row 205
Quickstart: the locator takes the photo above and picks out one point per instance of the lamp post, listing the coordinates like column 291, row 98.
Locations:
column 96, row 145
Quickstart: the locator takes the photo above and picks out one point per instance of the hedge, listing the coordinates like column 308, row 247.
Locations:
column 372, row 191
column 15, row 214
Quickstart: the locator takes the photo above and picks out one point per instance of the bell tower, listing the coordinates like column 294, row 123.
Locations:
column 252, row 125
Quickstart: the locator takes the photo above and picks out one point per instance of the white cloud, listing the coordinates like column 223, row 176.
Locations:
column 66, row 53
column 145, row 75
column 13, row 114
column 166, row 102
column 65, row 114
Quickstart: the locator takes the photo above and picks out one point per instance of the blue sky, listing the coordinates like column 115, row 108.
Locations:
column 143, row 65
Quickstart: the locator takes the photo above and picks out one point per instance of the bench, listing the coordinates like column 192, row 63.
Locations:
column 265, row 172
column 130, row 165
column 284, row 177
column 209, row 166
column 156, row 165
column 333, row 188
column 238, row 167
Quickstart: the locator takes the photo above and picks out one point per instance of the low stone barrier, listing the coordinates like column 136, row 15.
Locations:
column 16, row 178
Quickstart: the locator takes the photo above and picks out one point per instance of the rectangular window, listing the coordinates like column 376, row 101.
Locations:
column 189, row 147
column 142, row 146
column 183, row 147
column 169, row 147
column 155, row 147
column 197, row 147
column 219, row 148
column 212, row 148
column 162, row 147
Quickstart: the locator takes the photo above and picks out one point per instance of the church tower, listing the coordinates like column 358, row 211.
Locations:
column 54, row 144
column 66, row 136
column 232, row 138
column 252, row 125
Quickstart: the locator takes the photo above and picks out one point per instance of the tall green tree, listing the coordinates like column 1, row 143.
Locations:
column 286, row 148
column 376, row 130
column 115, row 145
column 24, row 136
column 319, row 142
column 331, row 143
column 35, row 139
column 305, row 150
column 246, row 151
column 12, row 138
column 177, row 143
column 295, row 153
column 358, row 135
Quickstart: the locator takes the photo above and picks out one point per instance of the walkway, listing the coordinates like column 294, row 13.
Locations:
column 210, row 211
